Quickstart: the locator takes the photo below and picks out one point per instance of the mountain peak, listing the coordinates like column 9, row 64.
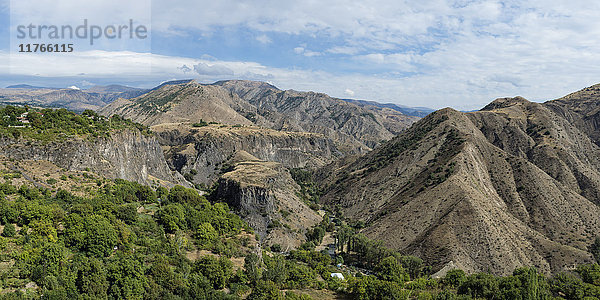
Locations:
column 506, row 102
column 246, row 84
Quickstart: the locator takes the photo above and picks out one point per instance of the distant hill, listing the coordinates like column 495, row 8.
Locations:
column 113, row 88
column 73, row 99
column 320, row 113
column 26, row 86
column 172, row 82
column 409, row 111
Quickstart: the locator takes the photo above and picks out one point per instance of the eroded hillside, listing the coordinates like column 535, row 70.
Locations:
column 514, row 184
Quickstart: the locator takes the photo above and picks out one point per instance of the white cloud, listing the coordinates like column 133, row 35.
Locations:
column 435, row 53
column 349, row 92
column 469, row 89
column 86, row 83
column 306, row 52
column 344, row 50
column 212, row 70
column 264, row 39
column 60, row 12
column 185, row 69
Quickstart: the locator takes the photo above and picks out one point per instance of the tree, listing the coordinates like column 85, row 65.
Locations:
column 172, row 217
column 595, row 249
column 533, row 284
column 454, row 278
column 206, row 234
column 179, row 194
column 145, row 194
column 217, row 271
column 390, row 270
column 9, row 230
column 276, row 269
column 91, row 277
column 126, row 277
column 276, row 248
column 252, row 267
column 479, row 286
column 567, row 284
column 343, row 236
column 316, row 235
column 93, row 234
column 413, row 265
column 265, row 290
column 127, row 212
column 589, row 273
column 162, row 193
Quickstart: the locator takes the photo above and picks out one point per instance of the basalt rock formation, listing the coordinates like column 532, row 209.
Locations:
column 265, row 196
column 206, row 152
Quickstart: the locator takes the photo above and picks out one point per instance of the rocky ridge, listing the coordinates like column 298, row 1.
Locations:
column 513, row 184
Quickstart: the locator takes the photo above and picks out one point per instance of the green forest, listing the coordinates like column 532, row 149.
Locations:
column 56, row 245
column 55, row 124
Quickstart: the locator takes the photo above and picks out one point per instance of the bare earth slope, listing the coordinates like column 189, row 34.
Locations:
column 355, row 129
column 186, row 102
column 320, row 113
column 581, row 108
column 514, row 184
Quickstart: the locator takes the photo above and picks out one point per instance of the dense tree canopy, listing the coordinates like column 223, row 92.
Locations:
column 51, row 124
column 122, row 242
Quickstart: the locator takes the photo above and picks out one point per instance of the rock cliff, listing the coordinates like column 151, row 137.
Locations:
column 208, row 150
column 265, row 195
column 126, row 154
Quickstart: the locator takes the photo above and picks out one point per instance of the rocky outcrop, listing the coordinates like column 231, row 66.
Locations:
column 265, row 196
column 208, row 150
column 126, row 154
column 582, row 109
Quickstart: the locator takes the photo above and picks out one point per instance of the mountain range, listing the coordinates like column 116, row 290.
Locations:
column 71, row 98
column 516, row 183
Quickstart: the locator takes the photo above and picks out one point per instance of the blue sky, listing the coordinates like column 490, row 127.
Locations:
column 433, row 53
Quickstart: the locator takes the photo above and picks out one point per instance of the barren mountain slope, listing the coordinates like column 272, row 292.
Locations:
column 186, row 102
column 317, row 112
column 581, row 108
column 489, row 190
column 354, row 129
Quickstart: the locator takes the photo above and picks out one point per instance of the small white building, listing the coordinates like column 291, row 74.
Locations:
column 23, row 118
column 337, row 275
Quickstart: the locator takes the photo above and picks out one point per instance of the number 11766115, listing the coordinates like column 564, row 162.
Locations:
column 45, row 48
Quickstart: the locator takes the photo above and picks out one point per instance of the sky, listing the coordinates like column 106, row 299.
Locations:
column 431, row 53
